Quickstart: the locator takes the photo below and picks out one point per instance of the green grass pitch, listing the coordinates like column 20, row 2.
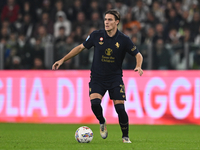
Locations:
column 61, row 137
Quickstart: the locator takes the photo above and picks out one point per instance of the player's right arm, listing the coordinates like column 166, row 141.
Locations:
column 75, row 51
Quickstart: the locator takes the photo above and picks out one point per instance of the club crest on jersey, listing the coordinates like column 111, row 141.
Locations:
column 117, row 44
column 108, row 51
column 101, row 41
column 134, row 48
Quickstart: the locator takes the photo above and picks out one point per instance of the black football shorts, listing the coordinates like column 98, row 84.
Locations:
column 115, row 88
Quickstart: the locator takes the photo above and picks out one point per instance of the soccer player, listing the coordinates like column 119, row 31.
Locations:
column 110, row 47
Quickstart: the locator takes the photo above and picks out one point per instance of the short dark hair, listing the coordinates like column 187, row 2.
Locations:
column 114, row 13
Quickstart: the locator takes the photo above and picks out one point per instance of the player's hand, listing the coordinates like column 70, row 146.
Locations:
column 139, row 70
column 57, row 64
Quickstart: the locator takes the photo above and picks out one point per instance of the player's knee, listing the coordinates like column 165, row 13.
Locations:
column 95, row 101
column 119, row 108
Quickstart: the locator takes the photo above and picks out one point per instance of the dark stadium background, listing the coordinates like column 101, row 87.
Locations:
column 32, row 35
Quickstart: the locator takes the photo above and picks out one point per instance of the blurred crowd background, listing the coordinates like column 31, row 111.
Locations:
column 35, row 33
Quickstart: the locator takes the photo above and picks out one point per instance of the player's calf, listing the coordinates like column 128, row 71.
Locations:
column 97, row 110
column 123, row 119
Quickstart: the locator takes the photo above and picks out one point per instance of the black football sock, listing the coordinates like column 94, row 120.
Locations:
column 123, row 119
column 97, row 110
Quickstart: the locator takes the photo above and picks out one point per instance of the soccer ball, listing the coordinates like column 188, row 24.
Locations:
column 84, row 134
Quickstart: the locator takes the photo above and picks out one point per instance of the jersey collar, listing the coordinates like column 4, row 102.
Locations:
column 114, row 37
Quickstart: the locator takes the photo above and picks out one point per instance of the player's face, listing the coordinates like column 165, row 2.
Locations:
column 110, row 22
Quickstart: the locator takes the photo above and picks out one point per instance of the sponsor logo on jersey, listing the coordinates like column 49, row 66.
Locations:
column 108, row 51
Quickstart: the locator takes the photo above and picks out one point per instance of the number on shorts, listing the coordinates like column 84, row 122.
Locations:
column 122, row 90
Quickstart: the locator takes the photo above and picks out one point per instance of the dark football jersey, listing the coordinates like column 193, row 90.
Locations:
column 109, row 53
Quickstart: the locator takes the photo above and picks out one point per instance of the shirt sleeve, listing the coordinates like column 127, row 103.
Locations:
column 88, row 43
column 130, row 47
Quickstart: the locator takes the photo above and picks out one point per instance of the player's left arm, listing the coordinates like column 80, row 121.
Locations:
column 132, row 50
column 139, row 60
